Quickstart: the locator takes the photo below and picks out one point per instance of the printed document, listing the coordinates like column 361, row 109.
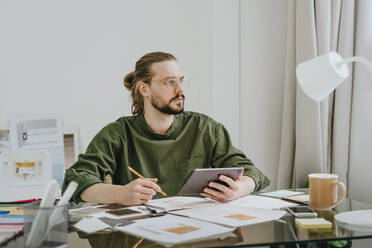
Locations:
column 23, row 168
column 254, row 201
column 233, row 216
column 282, row 193
column 114, row 211
column 91, row 224
column 37, row 133
column 181, row 202
column 169, row 230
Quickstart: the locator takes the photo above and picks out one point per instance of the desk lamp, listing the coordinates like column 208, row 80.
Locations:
column 318, row 77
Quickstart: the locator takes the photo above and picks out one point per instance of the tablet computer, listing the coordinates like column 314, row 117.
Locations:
column 199, row 178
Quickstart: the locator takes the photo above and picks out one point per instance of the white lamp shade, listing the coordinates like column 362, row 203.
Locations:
column 318, row 77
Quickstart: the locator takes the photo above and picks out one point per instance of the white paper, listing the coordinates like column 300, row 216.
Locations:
column 25, row 168
column 161, row 229
column 282, row 193
column 33, row 131
column 4, row 149
column 4, row 140
column 91, row 224
column 254, row 201
column 39, row 132
column 181, row 202
column 233, row 216
column 141, row 212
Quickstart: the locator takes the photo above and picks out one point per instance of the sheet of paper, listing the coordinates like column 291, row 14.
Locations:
column 114, row 222
column 254, row 201
column 123, row 213
column 299, row 198
column 37, row 133
column 282, row 193
column 85, row 212
column 5, row 147
column 25, row 168
column 91, row 224
column 234, row 216
column 181, row 202
column 170, row 229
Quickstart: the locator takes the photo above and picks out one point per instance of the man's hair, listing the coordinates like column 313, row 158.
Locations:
column 143, row 72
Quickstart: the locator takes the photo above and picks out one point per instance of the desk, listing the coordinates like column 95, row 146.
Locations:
column 269, row 234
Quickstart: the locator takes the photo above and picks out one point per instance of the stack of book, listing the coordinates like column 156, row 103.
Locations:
column 11, row 223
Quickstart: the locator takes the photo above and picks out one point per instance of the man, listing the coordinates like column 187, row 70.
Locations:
column 159, row 141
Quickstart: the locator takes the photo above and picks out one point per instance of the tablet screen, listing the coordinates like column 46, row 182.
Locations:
column 199, row 178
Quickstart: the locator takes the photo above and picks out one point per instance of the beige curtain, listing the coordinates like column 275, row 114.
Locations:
column 360, row 165
column 315, row 136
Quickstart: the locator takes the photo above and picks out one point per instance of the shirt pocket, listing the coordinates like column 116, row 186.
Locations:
column 185, row 167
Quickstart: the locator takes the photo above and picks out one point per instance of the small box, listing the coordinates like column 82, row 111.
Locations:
column 313, row 223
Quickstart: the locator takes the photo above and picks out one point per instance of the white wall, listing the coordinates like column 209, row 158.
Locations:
column 71, row 56
column 262, row 60
column 225, row 59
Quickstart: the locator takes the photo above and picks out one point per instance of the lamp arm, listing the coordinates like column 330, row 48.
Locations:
column 357, row 59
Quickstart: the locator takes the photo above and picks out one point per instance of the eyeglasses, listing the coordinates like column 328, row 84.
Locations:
column 171, row 83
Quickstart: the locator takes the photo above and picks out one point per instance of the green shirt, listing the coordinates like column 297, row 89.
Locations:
column 193, row 141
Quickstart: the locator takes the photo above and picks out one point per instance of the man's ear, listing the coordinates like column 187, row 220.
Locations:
column 143, row 88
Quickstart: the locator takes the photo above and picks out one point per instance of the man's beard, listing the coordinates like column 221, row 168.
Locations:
column 167, row 109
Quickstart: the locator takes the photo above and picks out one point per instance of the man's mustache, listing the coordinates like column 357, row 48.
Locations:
column 178, row 96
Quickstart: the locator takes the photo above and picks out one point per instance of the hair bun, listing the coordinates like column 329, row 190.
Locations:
column 129, row 80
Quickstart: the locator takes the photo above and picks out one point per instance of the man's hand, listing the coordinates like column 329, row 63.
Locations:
column 137, row 192
column 242, row 186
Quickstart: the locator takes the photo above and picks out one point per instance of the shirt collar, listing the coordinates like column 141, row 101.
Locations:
column 156, row 135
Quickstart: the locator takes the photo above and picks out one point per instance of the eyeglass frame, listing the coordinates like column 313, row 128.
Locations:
column 180, row 81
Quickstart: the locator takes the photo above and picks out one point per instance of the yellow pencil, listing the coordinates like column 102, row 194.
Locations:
column 140, row 176
column 138, row 243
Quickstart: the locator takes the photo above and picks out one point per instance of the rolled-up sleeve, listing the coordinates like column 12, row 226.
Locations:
column 101, row 158
column 226, row 155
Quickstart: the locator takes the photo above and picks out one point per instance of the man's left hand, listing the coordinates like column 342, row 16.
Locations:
column 242, row 186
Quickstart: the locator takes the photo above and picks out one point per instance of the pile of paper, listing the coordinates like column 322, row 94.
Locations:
column 186, row 219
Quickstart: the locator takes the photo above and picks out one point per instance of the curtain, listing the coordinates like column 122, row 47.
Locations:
column 360, row 166
column 310, row 130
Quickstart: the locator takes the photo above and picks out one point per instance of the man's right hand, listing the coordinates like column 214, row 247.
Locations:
column 137, row 192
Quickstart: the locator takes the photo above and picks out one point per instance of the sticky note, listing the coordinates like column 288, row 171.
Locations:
column 311, row 223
